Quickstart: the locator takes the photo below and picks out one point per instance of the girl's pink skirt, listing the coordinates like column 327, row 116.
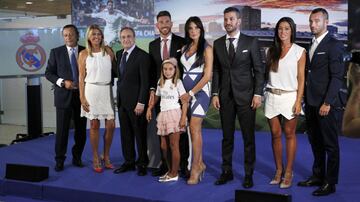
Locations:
column 168, row 122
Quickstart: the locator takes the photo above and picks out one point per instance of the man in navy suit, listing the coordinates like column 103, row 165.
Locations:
column 132, row 95
column 324, row 103
column 163, row 47
column 63, row 73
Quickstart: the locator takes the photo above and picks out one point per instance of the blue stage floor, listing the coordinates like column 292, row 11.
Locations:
column 82, row 184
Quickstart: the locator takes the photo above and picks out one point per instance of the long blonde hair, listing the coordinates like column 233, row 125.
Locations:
column 89, row 46
column 176, row 76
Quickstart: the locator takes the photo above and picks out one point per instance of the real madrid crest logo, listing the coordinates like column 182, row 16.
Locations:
column 30, row 56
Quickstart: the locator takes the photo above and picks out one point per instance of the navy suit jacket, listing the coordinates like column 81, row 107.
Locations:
column 133, row 85
column 59, row 67
column 325, row 74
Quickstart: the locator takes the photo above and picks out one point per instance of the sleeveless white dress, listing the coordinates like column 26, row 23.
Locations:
column 98, row 90
column 285, row 79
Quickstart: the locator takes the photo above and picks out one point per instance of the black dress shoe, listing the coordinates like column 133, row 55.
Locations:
column 224, row 177
column 141, row 171
column 248, row 182
column 312, row 181
column 185, row 173
column 325, row 190
column 124, row 168
column 160, row 171
column 59, row 167
column 77, row 163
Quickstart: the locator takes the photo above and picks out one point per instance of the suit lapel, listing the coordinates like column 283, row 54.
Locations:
column 224, row 51
column 319, row 48
column 66, row 58
column 131, row 59
column 239, row 48
column 173, row 46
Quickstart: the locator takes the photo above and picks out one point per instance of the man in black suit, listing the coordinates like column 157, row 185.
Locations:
column 324, row 103
column 132, row 95
column 163, row 47
column 63, row 73
column 237, row 87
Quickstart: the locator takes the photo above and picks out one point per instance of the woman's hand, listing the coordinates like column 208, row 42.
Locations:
column 185, row 98
column 85, row 105
column 297, row 108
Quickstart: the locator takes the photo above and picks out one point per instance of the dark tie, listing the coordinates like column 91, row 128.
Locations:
column 165, row 49
column 74, row 67
column 123, row 63
column 231, row 50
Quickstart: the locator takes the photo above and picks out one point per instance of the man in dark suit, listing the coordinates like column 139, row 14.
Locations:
column 163, row 47
column 132, row 95
column 238, row 79
column 62, row 71
column 324, row 103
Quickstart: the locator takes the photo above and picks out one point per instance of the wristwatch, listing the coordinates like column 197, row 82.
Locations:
column 62, row 84
column 191, row 93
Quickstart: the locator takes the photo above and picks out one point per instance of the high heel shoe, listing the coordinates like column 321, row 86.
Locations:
column 106, row 162
column 203, row 168
column 195, row 177
column 277, row 177
column 287, row 181
column 97, row 166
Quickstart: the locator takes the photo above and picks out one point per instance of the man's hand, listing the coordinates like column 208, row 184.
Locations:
column 216, row 102
column 69, row 84
column 256, row 102
column 324, row 110
column 139, row 109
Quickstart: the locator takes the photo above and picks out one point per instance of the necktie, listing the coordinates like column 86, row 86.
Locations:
column 165, row 49
column 74, row 67
column 231, row 50
column 313, row 48
column 123, row 63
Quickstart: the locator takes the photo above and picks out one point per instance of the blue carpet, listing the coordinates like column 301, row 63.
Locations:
column 82, row 184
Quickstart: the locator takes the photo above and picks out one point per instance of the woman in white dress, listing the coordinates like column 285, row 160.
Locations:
column 95, row 66
column 284, row 92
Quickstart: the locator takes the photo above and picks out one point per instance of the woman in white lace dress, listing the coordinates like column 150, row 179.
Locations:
column 95, row 65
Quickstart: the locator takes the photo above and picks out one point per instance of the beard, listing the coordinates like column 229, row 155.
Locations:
column 165, row 30
column 230, row 28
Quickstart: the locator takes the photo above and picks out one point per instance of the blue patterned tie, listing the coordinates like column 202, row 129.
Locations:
column 74, row 67
column 123, row 63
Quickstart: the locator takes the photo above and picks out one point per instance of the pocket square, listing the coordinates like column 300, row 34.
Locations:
column 178, row 50
column 320, row 53
column 245, row 51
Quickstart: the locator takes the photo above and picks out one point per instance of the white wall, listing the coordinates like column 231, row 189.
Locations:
column 13, row 90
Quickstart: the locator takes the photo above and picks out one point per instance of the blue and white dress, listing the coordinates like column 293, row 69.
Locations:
column 193, row 73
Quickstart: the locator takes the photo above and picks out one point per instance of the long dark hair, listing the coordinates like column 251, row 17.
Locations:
column 201, row 44
column 275, row 50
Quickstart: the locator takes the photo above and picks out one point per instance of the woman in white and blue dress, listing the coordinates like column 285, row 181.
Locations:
column 197, row 59
column 283, row 97
column 95, row 67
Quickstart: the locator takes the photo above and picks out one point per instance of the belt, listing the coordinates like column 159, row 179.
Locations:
column 278, row 91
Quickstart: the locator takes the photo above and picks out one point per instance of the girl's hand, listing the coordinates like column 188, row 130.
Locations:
column 182, row 123
column 148, row 114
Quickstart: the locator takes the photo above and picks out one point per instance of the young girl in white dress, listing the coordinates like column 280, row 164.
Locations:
column 171, row 120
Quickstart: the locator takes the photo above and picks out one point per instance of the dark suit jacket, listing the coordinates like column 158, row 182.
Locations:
column 177, row 43
column 244, row 77
column 325, row 74
column 133, row 86
column 59, row 67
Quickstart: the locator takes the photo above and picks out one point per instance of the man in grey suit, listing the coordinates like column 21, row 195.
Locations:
column 237, row 88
